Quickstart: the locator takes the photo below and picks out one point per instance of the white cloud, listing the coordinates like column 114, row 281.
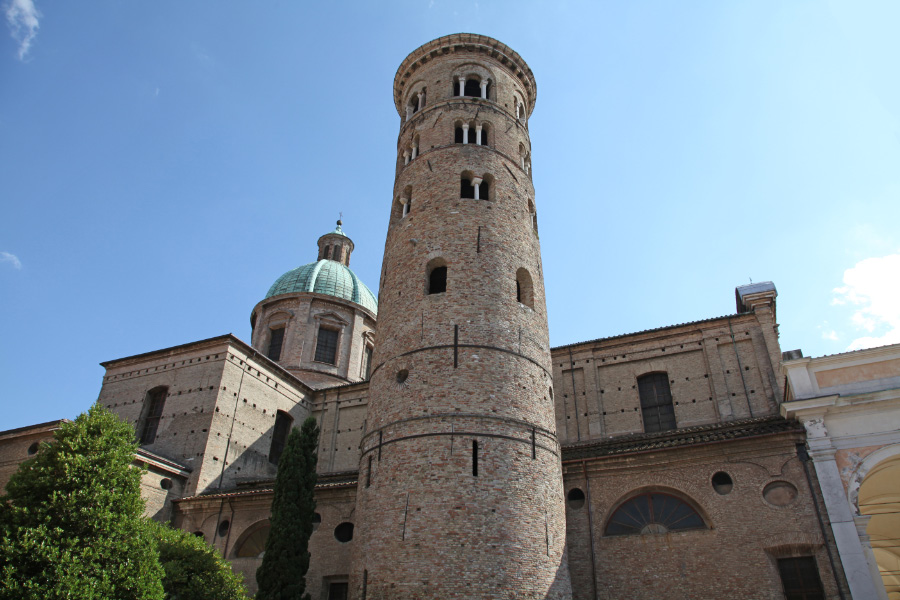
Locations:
column 23, row 17
column 11, row 259
column 830, row 335
column 872, row 287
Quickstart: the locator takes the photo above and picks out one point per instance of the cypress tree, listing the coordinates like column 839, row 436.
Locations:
column 282, row 575
column 71, row 523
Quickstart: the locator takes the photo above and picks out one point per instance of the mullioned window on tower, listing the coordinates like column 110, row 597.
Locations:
column 326, row 346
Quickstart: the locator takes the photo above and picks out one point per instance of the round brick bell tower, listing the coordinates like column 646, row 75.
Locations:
column 460, row 481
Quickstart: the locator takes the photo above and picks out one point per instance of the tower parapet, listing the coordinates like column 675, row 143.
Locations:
column 460, row 480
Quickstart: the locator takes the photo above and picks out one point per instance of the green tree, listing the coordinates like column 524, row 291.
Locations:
column 193, row 569
column 282, row 575
column 71, row 522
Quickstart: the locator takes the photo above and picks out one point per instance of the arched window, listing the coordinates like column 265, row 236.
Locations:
column 473, row 87
column 656, row 402
column 524, row 288
column 483, row 189
column 253, row 544
column 283, row 424
column 276, row 341
column 482, row 135
column 458, row 135
column 466, row 189
column 437, row 276
column 154, row 402
column 327, row 253
column 653, row 513
column 406, row 200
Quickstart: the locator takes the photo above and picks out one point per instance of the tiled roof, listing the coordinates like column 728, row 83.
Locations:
column 622, row 335
column 702, row 434
column 265, row 486
column 162, row 459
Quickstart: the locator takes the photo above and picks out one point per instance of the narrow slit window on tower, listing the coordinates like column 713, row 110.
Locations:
column 153, row 407
column 276, row 340
column 475, row 458
column 326, row 346
column 283, row 423
column 369, row 473
column 656, row 402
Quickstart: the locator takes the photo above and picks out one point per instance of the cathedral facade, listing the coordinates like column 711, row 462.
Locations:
column 460, row 456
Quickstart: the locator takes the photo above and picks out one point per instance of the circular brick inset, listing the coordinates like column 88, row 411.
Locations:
column 780, row 493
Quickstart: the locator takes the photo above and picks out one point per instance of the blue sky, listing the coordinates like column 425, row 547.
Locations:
column 163, row 163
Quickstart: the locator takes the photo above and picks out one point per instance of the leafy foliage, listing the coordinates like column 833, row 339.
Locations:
column 193, row 569
column 282, row 575
column 71, row 524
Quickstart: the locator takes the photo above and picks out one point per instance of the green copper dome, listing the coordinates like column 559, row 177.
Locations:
column 326, row 277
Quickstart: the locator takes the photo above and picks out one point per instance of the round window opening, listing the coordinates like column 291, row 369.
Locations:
column 722, row 483
column 32, row 449
column 780, row 493
column 165, row 483
column 316, row 521
column 402, row 375
column 223, row 527
column 576, row 498
column 343, row 532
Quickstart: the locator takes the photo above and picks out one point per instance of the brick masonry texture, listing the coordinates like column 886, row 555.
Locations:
column 478, row 364
column 396, row 454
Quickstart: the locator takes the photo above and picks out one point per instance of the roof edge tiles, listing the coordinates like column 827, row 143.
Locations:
column 688, row 436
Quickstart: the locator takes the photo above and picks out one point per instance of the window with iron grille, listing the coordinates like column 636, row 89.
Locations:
column 155, row 401
column 276, row 339
column 326, row 346
column 283, row 423
column 656, row 402
column 800, row 578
